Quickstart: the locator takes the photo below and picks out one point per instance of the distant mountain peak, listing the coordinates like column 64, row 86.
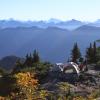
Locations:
column 74, row 21
column 53, row 20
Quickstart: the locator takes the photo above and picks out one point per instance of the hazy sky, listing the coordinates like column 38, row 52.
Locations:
column 87, row 10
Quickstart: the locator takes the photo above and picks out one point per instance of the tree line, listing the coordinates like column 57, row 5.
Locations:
column 91, row 55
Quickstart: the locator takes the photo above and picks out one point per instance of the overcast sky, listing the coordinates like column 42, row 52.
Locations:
column 85, row 10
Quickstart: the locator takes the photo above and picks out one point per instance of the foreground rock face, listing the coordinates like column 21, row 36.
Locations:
column 83, row 85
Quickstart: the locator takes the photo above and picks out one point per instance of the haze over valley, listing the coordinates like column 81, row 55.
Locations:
column 53, row 39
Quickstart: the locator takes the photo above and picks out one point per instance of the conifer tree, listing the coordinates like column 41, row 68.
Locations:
column 36, row 57
column 75, row 53
column 28, row 61
column 91, row 53
column 95, row 52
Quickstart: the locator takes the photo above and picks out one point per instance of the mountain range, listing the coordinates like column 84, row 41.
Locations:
column 53, row 43
column 69, row 24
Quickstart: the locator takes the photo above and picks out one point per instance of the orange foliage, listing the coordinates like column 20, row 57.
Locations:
column 26, row 80
column 78, row 98
column 27, row 84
